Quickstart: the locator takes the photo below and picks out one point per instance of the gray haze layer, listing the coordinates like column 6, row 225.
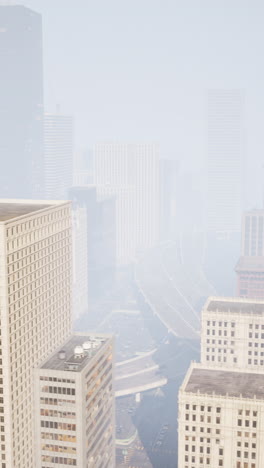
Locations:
column 140, row 70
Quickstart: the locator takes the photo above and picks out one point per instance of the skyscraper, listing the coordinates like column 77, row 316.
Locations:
column 130, row 172
column 226, row 185
column 226, row 160
column 21, row 103
column 35, row 312
column 58, row 155
column 80, row 257
column 97, row 248
column 250, row 267
column 221, row 401
column 75, row 410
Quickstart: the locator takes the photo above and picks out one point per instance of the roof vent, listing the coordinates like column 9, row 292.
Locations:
column 62, row 354
column 87, row 345
column 78, row 350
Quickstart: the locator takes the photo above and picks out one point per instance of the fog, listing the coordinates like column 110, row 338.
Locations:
column 141, row 70
column 147, row 116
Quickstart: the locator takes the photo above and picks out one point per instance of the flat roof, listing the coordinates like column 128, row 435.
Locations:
column 14, row 210
column 222, row 382
column 236, row 306
column 71, row 361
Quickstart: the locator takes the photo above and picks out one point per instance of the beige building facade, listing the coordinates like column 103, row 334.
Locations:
column 232, row 334
column 74, row 397
column 35, row 312
column 221, row 419
column 221, row 401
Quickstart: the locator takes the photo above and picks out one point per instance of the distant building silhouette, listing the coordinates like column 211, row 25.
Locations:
column 130, row 172
column 100, row 239
column 21, row 103
column 226, row 160
column 226, row 185
column 58, row 155
column 250, row 267
column 80, row 258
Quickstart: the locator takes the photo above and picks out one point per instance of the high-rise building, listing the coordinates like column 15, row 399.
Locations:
column 226, row 161
column 75, row 421
column 130, row 172
column 58, row 155
column 221, row 416
column 221, row 401
column 100, row 248
column 35, row 312
column 83, row 168
column 80, row 257
column 250, row 267
column 233, row 334
column 21, row 103
column 225, row 185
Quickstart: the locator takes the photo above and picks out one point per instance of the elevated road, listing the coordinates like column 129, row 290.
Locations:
column 171, row 280
column 138, row 374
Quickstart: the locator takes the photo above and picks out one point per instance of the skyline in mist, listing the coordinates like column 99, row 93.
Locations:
column 140, row 71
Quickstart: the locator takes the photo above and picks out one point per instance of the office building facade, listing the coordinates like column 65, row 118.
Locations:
column 233, row 334
column 75, row 422
column 35, row 312
column 221, row 420
column 221, row 401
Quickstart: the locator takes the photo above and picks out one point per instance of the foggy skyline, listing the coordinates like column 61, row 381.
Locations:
column 132, row 71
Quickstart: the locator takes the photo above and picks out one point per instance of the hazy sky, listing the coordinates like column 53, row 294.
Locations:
column 139, row 69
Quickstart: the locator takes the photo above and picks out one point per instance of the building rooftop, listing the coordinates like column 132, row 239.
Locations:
column 11, row 209
column 74, row 354
column 236, row 306
column 14, row 210
column 222, row 382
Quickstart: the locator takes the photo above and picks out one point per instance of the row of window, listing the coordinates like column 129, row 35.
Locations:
column 58, row 425
column 59, row 460
column 202, row 408
column 38, row 220
column 220, row 324
column 58, row 390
